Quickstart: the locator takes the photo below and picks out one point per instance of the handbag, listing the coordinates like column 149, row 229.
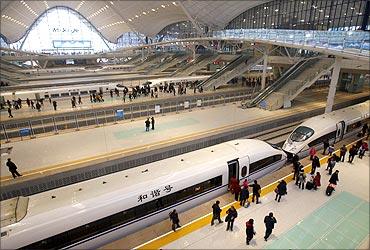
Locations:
column 276, row 190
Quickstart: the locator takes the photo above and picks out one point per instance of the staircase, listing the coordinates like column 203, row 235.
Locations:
column 168, row 63
column 149, row 61
column 198, row 63
column 233, row 69
column 308, row 75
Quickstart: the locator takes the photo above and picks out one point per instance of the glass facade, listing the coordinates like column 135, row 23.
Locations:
column 129, row 39
column 61, row 30
column 179, row 30
column 306, row 15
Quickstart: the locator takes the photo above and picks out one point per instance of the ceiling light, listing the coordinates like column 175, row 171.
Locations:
column 136, row 16
column 153, row 10
column 174, row 3
column 276, row 10
column 163, row 6
column 144, row 12
column 130, row 19
column 111, row 3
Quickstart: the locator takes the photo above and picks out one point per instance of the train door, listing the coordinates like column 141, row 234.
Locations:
column 233, row 169
column 244, row 167
column 340, row 131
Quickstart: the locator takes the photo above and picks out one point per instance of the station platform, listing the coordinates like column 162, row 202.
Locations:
column 47, row 155
column 306, row 219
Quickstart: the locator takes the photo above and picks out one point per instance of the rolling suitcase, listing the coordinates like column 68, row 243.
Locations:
column 309, row 185
column 329, row 189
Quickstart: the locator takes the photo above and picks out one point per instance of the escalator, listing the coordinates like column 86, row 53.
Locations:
column 229, row 67
column 290, row 74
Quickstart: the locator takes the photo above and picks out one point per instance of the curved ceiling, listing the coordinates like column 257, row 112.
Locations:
column 113, row 18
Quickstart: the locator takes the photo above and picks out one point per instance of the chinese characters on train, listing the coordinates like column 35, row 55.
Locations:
column 155, row 193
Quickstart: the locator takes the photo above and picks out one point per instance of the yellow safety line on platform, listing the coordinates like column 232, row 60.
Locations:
column 125, row 151
column 205, row 220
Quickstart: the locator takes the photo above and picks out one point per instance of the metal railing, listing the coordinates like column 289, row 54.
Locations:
column 33, row 127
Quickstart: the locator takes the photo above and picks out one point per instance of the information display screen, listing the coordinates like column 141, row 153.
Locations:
column 71, row 44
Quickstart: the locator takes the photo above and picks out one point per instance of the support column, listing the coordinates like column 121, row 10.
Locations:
column 263, row 81
column 333, row 84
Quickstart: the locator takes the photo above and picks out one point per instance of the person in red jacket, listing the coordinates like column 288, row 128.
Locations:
column 249, row 231
column 317, row 181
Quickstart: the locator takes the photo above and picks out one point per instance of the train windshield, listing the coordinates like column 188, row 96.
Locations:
column 301, row 133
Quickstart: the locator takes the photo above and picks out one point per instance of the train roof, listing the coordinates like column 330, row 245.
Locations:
column 352, row 113
column 131, row 181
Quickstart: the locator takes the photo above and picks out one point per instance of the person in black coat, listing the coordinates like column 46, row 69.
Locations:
column 12, row 168
column 315, row 164
column 269, row 221
column 297, row 169
column 152, row 121
column 281, row 190
column 244, row 195
column 147, row 124
column 216, row 212
column 334, row 178
column 352, row 153
column 174, row 217
column 256, row 188
column 231, row 216
column 326, row 145
column 10, row 113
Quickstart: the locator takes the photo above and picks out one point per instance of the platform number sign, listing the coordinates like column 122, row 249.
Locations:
column 155, row 193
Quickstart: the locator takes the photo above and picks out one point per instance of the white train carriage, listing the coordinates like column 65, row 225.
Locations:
column 333, row 126
column 95, row 212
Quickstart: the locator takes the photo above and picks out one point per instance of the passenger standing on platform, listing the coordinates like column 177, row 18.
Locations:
column 174, row 217
column 28, row 102
column 50, row 100
column 91, row 98
column 249, row 231
column 79, row 100
column 269, row 221
column 331, row 149
column 302, row 179
column 55, row 105
column 256, row 188
column 361, row 151
column 152, row 122
column 216, row 213
column 73, row 102
column 280, row 190
column 343, row 151
column 312, row 152
column 326, row 145
column 317, row 181
column 38, row 106
column 237, row 191
column 12, row 168
column 315, row 164
column 364, row 129
column 245, row 183
column 334, row 178
column 10, row 113
column 297, row 169
column 244, row 195
column 352, row 153
column 231, row 216
column 331, row 164
column 147, row 124
column 32, row 105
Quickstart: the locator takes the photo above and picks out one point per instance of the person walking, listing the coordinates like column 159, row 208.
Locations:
column 147, row 124
column 280, row 190
column 331, row 164
column 249, row 231
column 352, row 152
column 12, row 168
column 38, row 106
column 152, row 122
column 331, row 149
column 231, row 216
column 174, row 217
column 10, row 113
column 302, row 179
column 317, row 181
column 297, row 169
column 312, row 152
column 326, row 145
column 244, row 195
column 79, row 100
column 334, row 178
column 315, row 164
column 342, row 152
column 216, row 213
column 269, row 221
column 55, row 105
column 256, row 189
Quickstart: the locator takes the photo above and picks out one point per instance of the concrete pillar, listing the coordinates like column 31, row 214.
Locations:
column 333, row 84
column 263, row 81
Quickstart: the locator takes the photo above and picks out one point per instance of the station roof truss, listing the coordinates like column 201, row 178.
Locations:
column 113, row 18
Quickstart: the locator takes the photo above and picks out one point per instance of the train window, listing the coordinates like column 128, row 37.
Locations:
column 353, row 126
column 301, row 133
column 93, row 91
column 258, row 165
column 82, row 232
column 321, row 139
column 46, row 96
column 74, row 93
column 244, row 171
column 64, row 94
column 54, row 95
column 83, row 92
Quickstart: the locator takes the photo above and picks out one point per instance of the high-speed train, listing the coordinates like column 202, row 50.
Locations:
column 333, row 126
column 85, row 89
column 98, row 211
